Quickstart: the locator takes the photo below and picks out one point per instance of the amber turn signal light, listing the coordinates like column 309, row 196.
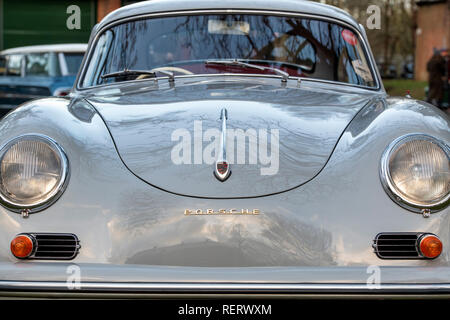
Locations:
column 430, row 246
column 22, row 246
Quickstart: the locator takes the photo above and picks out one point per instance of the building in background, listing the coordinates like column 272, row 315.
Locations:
column 433, row 32
column 31, row 22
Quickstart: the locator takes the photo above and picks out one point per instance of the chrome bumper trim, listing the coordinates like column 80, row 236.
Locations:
column 198, row 288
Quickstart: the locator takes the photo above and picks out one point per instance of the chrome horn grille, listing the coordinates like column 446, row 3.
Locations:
column 54, row 246
column 397, row 245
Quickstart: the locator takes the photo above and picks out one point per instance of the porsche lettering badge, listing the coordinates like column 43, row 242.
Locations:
column 197, row 212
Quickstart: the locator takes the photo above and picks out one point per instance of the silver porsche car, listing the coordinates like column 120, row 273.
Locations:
column 225, row 148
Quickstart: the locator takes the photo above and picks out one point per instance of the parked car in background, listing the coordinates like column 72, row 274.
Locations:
column 387, row 72
column 408, row 70
column 37, row 71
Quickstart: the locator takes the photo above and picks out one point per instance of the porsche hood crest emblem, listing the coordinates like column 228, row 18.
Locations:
column 222, row 171
column 222, row 168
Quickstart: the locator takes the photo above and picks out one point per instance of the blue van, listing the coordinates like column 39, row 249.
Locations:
column 37, row 71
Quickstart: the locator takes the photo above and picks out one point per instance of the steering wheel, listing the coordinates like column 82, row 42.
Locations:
column 173, row 69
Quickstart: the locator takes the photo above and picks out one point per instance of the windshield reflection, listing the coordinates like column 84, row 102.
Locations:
column 182, row 44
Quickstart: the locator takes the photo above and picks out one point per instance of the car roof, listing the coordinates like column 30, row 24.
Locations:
column 66, row 47
column 296, row 6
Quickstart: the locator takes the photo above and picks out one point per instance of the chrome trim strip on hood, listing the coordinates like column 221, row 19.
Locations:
column 221, row 167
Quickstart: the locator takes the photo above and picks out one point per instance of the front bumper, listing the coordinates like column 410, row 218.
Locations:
column 99, row 280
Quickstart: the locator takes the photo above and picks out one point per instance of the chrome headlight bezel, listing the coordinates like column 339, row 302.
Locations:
column 388, row 184
column 51, row 197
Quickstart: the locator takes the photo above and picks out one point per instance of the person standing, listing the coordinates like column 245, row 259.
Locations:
column 436, row 73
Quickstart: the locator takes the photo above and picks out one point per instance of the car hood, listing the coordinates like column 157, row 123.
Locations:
column 278, row 137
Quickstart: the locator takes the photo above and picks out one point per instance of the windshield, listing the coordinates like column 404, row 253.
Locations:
column 183, row 44
column 11, row 65
column 32, row 64
column 42, row 64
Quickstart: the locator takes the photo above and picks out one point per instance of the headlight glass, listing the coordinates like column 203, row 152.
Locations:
column 33, row 170
column 416, row 171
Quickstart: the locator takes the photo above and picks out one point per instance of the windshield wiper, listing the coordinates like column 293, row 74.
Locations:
column 289, row 64
column 127, row 72
column 235, row 62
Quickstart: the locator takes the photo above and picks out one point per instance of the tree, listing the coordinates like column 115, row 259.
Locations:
column 397, row 33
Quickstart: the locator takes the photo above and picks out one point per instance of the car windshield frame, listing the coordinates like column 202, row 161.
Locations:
column 109, row 26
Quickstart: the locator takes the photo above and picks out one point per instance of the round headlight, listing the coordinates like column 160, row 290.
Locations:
column 415, row 171
column 33, row 173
